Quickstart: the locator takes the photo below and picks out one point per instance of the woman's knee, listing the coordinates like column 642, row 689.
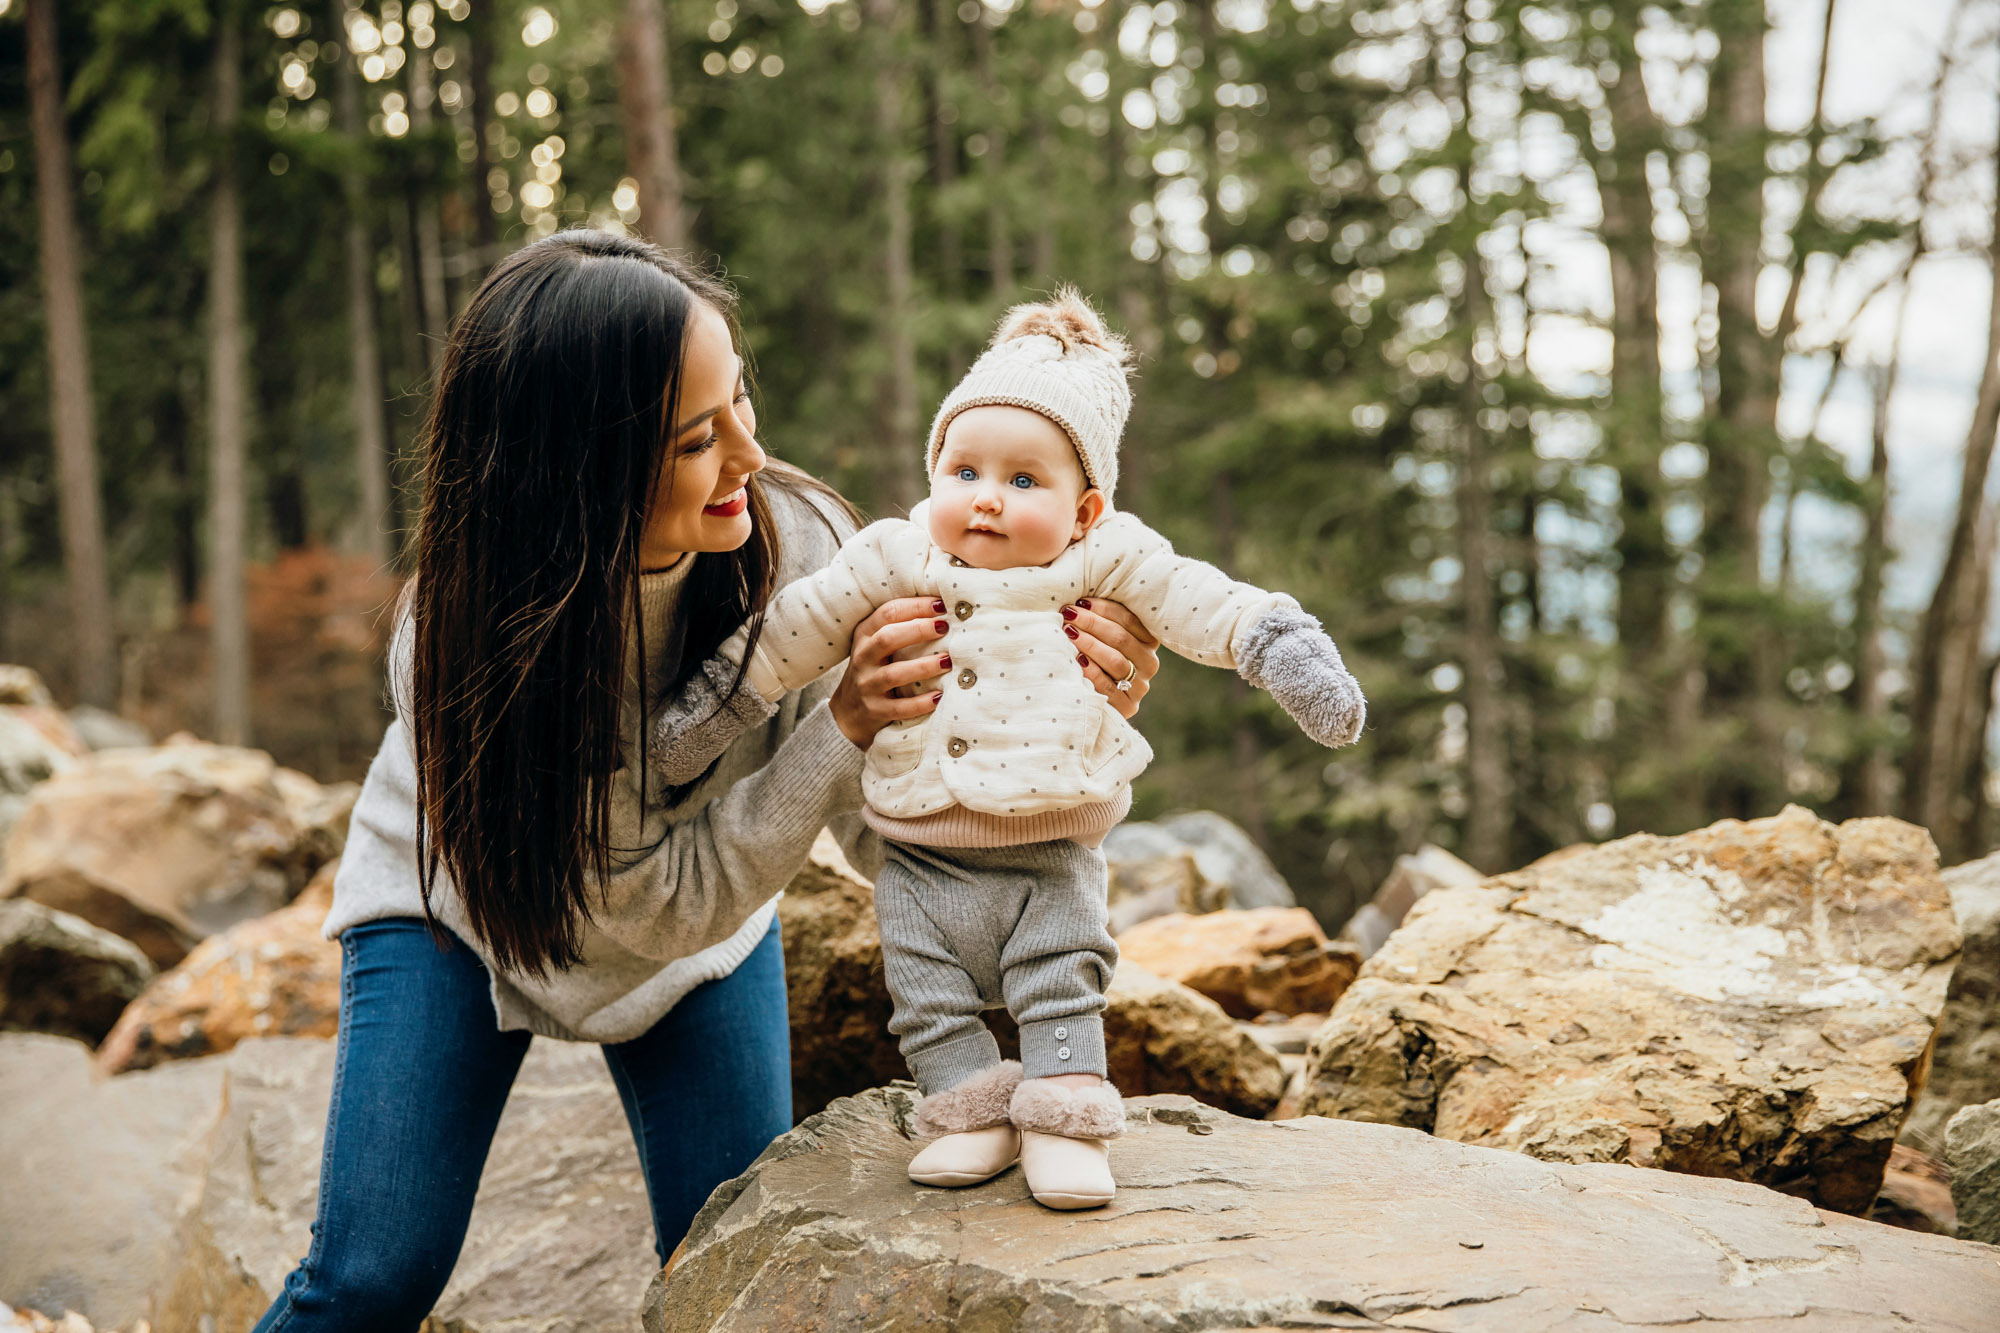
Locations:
column 388, row 1286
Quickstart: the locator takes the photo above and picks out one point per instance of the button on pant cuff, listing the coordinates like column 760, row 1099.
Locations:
column 1063, row 1046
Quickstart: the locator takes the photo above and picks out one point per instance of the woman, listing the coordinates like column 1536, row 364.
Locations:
column 597, row 517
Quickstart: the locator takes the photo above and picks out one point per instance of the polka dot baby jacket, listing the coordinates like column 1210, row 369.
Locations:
column 1020, row 731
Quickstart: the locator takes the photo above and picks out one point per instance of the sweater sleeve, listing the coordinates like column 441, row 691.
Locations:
column 809, row 625
column 710, row 871
column 1190, row 606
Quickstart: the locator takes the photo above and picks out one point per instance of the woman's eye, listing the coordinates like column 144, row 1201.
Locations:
column 1023, row 481
column 701, row 448
column 967, row 474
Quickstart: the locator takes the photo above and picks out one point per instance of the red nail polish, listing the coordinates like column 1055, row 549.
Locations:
column 1070, row 630
column 944, row 663
column 941, row 625
column 938, row 697
column 1082, row 660
column 937, row 605
column 1083, row 602
column 1068, row 614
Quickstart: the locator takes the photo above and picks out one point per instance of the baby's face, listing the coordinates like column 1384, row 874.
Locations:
column 1008, row 490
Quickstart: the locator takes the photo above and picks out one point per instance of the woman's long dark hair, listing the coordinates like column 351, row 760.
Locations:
column 548, row 433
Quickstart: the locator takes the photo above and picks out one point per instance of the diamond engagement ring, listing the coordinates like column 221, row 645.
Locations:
column 1125, row 685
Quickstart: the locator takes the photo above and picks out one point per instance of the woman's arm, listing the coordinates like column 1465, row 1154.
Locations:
column 711, row 871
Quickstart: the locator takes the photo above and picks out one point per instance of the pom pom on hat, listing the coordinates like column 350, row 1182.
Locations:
column 1055, row 357
column 1068, row 319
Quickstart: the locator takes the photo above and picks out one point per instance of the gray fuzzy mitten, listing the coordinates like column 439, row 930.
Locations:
column 1288, row 654
column 692, row 730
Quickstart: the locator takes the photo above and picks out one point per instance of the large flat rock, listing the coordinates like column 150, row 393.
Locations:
column 561, row 1239
column 1750, row 1000
column 1223, row 1223
column 94, row 1174
column 184, row 1194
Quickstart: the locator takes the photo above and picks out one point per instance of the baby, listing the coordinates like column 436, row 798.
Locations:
column 991, row 808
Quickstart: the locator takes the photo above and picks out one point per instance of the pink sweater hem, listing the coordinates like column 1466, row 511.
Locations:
column 956, row 826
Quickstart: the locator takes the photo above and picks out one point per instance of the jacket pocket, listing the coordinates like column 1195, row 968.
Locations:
column 1115, row 746
column 898, row 748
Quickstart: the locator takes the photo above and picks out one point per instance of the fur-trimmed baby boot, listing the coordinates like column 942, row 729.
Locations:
column 1065, row 1141
column 978, row 1140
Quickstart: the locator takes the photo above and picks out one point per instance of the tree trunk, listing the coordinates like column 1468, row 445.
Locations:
column 1744, row 681
column 942, row 27
column 1645, row 564
column 1489, row 812
column 1875, row 780
column 227, row 404
column 1489, row 789
column 371, row 450
column 69, row 370
column 999, row 230
column 478, row 101
column 898, row 481
column 1872, row 774
column 171, row 429
column 1046, row 261
column 429, row 241
column 1949, row 652
column 646, row 104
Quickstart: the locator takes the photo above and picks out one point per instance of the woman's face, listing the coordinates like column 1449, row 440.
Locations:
column 700, row 504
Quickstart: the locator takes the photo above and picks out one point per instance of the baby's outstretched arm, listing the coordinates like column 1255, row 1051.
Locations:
column 808, row 627
column 1201, row 613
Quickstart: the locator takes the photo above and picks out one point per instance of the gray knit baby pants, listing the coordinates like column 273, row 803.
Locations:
column 966, row 929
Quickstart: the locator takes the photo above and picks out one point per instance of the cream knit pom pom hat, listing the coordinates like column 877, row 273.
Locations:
column 1057, row 358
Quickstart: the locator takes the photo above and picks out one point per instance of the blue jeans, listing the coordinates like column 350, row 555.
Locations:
column 420, row 1076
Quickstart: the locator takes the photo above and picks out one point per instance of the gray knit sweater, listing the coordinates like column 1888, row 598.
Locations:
column 693, row 908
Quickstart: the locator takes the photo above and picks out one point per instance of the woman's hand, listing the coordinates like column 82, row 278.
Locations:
column 894, row 649
column 1110, row 642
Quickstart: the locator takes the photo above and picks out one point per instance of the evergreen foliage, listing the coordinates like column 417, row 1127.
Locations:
column 1335, row 231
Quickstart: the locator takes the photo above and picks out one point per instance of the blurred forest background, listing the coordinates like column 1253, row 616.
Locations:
column 1512, row 337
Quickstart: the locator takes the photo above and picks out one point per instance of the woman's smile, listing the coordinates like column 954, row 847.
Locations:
column 730, row 507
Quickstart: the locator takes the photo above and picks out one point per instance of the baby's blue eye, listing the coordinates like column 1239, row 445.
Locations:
column 967, row 474
column 1024, row 481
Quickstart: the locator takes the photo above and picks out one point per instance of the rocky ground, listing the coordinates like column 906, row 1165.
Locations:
column 1224, row 1223
column 1761, row 1003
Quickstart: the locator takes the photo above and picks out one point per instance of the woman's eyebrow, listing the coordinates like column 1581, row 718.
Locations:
column 694, row 421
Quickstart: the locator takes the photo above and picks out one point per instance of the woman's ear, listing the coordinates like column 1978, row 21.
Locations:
column 1089, row 508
